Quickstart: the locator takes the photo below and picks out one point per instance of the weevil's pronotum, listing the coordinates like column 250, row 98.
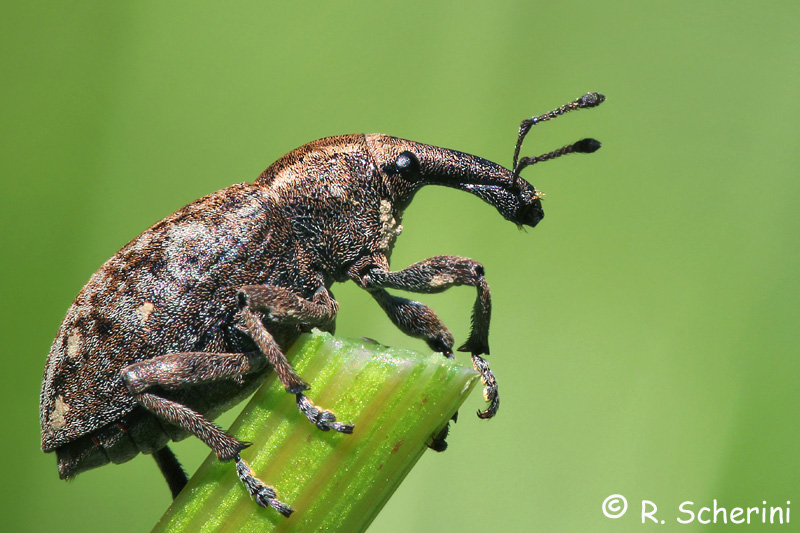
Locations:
column 188, row 317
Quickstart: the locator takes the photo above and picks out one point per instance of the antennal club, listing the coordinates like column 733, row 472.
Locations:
column 584, row 146
column 587, row 100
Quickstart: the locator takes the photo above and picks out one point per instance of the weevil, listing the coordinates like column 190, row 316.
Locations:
column 187, row 319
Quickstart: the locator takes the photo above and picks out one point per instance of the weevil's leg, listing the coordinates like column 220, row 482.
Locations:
column 178, row 370
column 223, row 445
column 419, row 321
column 416, row 320
column 435, row 275
column 290, row 308
column 489, row 386
column 263, row 494
column 253, row 325
column 173, row 371
column 171, row 469
column 439, row 444
column 284, row 306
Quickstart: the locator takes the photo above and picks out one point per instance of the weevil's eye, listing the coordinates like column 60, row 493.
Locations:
column 407, row 163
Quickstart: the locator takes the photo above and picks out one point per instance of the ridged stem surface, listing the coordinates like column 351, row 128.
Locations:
column 397, row 399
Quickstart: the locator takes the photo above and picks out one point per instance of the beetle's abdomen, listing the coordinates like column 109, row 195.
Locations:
column 142, row 432
column 170, row 290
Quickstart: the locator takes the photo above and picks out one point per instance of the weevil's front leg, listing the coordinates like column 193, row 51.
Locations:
column 284, row 306
column 416, row 320
column 435, row 275
column 419, row 321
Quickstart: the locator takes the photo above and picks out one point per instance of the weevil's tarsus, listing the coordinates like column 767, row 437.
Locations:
column 324, row 420
column 438, row 442
column 263, row 494
column 171, row 469
column 490, row 393
column 585, row 101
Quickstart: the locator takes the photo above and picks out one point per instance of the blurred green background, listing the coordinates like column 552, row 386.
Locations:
column 644, row 335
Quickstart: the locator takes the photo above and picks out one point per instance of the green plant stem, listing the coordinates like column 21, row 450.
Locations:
column 397, row 399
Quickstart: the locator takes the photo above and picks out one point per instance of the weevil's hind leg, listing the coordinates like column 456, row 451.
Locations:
column 179, row 370
column 171, row 469
column 173, row 371
column 283, row 306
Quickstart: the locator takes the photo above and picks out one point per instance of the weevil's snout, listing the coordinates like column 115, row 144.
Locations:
column 409, row 165
column 526, row 208
column 516, row 200
column 530, row 212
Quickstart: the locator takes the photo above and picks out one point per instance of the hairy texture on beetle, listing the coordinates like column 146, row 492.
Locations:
column 145, row 310
column 186, row 319
column 74, row 344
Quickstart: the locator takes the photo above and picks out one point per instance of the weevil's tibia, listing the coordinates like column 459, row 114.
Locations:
column 490, row 393
column 254, row 327
column 585, row 101
column 263, row 494
column 223, row 445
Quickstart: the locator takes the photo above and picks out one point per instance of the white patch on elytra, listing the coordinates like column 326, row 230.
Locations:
column 57, row 417
column 188, row 248
column 145, row 310
column 390, row 226
column 74, row 344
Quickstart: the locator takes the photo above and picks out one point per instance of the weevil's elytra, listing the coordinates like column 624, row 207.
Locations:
column 187, row 318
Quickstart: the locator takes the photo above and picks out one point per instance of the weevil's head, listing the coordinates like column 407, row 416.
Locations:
column 407, row 165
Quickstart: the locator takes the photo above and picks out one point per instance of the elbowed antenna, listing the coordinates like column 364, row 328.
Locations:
column 583, row 146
